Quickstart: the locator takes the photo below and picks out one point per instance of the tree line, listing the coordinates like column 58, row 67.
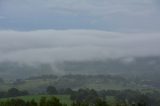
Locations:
column 89, row 97
column 13, row 92
column 53, row 101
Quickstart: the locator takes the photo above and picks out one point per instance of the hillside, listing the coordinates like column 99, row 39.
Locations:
column 97, row 82
column 145, row 67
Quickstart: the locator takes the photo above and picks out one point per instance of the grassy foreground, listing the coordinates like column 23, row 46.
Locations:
column 63, row 98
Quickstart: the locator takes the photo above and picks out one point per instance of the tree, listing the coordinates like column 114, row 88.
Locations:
column 100, row 102
column 2, row 94
column 13, row 92
column 51, row 90
column 1, row 80
column 68, row 91
column 43, row 101
column 33, row 103
column 85, row 95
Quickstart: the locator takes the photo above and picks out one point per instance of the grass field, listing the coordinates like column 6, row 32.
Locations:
column 63, row 98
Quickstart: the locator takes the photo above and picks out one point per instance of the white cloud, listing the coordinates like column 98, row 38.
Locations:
column 66, row 45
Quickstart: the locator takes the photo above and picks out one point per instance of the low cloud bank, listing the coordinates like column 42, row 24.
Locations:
column 75, row 45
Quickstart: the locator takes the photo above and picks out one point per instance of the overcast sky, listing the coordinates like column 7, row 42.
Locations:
column 49, row 30
column 110, row 15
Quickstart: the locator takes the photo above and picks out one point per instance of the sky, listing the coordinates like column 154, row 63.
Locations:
column 56, row 30
column 109, row 15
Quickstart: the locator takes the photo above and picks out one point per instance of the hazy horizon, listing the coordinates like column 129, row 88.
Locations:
column 51, row 31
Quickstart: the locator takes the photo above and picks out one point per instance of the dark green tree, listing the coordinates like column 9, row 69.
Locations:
column 100, row 102
column 43, row 101
column 33, row 103
column 13, row 92
column 51, row 90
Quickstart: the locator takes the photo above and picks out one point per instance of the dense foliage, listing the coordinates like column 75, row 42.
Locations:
column 86, row 97
column 53, row 101
column 43, row 102
column 13, row 92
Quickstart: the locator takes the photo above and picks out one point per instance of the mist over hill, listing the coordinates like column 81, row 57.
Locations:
column 147, row 67
column 80, row 46
column 33, row 53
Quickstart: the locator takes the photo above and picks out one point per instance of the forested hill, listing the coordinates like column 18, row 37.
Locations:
column 140, row 66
